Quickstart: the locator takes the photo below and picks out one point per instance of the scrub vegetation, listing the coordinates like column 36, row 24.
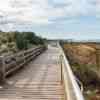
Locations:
column 11, row 42
column 83, row 60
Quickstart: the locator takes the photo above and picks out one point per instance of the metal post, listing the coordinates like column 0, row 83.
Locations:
column 2, row 71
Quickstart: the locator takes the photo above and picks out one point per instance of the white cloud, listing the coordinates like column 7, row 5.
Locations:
column 97, row 8
column 40, row 12
column 79, row 7
column 22, row 11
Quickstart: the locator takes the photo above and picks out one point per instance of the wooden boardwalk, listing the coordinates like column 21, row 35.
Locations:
column 39, row 80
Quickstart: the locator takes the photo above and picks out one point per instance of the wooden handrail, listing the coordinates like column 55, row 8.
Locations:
column 11, row 63
column 72, row 90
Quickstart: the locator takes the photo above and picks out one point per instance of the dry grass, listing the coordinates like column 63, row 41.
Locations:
column 82, row 57
column 81, row 53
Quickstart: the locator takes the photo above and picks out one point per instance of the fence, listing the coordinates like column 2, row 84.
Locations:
column 72, row 89
column 11, row 63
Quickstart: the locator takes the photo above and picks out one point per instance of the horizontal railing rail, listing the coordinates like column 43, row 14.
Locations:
column 72, row 89
column 11, row 63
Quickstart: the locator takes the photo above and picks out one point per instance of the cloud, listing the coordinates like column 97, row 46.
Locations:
column 17, row 12
column 97, row 8
column 43, row 12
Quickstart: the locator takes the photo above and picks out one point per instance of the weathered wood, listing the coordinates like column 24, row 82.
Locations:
column 98, row 58
column 39, row 80
column 2, row 70
column 72, row 89
column 22, row 58
column 10, row 63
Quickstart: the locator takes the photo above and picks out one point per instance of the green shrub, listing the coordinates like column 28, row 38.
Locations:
column 32, row 38
column 11, row 45
column 29, row 36
column 4, row 40
column 0, row 43
column 21, row 42
column 87, row 76
column 3, row 48
column 13, row 49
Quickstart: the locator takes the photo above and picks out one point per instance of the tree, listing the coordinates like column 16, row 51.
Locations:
column 29, row 36
column 21, row 42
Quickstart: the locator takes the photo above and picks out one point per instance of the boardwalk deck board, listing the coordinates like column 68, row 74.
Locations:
column 39, row 80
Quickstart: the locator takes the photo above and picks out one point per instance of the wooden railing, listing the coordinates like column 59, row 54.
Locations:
column 71, row 86
column 11, row 63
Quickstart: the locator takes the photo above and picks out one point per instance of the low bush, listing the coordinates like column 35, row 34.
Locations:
column 87, row 76
column 14, row 41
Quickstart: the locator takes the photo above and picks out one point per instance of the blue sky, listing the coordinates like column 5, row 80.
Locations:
column 77, row 19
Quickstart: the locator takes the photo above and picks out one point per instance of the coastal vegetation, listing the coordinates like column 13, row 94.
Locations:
column 83, row 60
column 11, row 42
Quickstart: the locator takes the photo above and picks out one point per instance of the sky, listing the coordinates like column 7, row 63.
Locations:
column 68, row 19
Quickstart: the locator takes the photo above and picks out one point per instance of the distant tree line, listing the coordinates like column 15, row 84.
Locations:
column 25, row 39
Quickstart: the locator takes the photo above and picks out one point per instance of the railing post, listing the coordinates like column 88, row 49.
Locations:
column 2, row 71
column 98, row 58
column 72, row 90
column 61, row 59
column 24, row 57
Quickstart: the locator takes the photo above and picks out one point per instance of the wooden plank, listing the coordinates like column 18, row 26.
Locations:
column 39, row 80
